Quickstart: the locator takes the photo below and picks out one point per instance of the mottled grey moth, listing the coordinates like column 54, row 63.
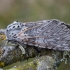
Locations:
column 50, row 34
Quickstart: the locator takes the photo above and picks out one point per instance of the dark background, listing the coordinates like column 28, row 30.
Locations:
column 34, row 10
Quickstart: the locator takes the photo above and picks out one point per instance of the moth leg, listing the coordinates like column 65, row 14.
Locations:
column 12, row 44
column 22, row 49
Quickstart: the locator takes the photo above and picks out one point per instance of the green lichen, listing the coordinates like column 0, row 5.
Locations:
column 13, row 69
column 38, row 63
column 57, row 57
column 2, row 64
column 66, row 57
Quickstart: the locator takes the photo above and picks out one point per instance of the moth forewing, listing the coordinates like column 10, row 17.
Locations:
column 51, row 34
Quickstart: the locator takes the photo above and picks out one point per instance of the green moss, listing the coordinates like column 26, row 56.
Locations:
column 2, row 64
column 33, row 64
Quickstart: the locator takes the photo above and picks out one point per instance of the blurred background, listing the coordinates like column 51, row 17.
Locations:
column 34, row 10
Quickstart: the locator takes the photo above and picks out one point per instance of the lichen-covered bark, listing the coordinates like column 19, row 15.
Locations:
column 12, row 53
column 39, row 63
column 8, row 54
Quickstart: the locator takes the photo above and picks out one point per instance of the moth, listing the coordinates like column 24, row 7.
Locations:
column 50, row 34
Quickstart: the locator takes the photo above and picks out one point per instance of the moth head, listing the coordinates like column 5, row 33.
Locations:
column 14, row 26
column 13, row 29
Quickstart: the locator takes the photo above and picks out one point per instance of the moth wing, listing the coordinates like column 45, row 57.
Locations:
column 51, row 35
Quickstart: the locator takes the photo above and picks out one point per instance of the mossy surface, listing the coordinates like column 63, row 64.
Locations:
column 2, row 64
column 38, row 63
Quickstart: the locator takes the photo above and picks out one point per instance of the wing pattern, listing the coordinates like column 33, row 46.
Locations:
column 50, row 34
